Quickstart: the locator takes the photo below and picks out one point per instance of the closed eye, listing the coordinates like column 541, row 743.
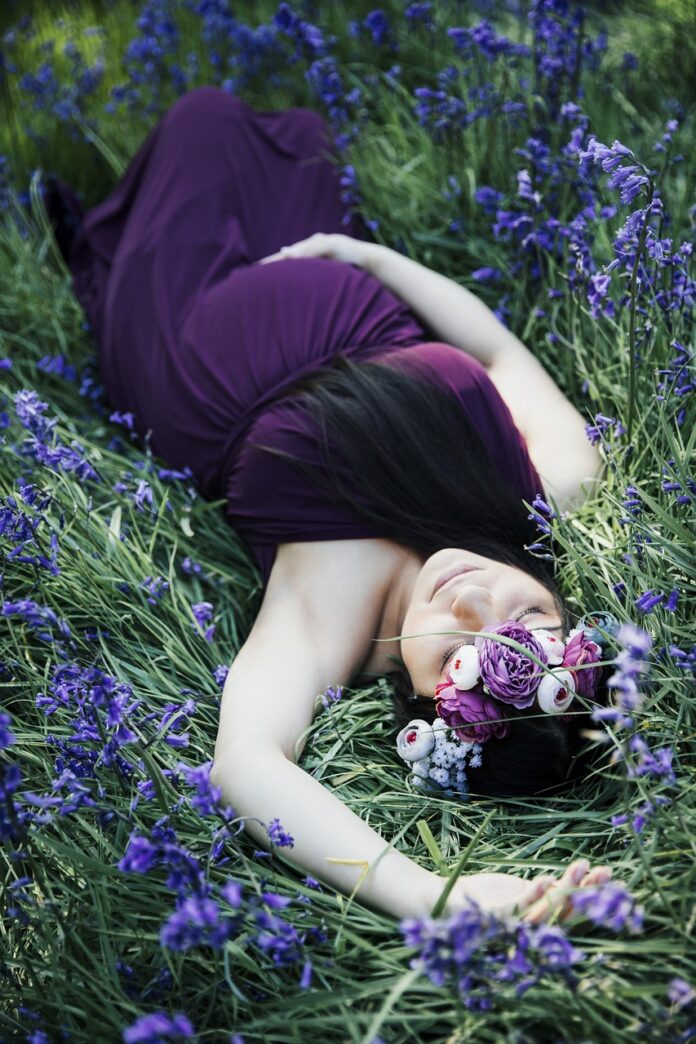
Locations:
column 537, row 609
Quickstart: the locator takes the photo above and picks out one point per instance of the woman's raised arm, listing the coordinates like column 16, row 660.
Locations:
column 552, row 428
column 313, row 631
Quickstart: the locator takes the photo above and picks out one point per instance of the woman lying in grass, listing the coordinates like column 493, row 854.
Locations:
column 374, row 431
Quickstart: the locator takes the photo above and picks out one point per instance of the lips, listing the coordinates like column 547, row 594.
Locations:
column 450, row 575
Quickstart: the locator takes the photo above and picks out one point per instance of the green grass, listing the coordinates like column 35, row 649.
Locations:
column 87, row 913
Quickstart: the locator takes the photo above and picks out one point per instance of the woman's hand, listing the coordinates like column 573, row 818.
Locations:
column 535, row 900
column 334, row 245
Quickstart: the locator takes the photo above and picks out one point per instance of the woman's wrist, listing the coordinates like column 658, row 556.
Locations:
column 373, row 257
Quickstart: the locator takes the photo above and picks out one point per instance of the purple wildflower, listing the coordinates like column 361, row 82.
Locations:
column 649, row 764
column 142, row 495
column 609, row 905
column 195, row 922
column 39, row 618
column 188, row 566
column 641, row 815
column 645, row 603
column 332, row 695
column 152, row 1029
column 207, row 798
column 685, row 660
column 6, row 737
column 597, row 431
column 203, row 613
column 220, row 674
column 279, row 837
column 420, row 13
column 542, row 513
column 126, row 419
column 630, row 665
column 488, row 198
column 140, row 855
column 487, row 275
column 279, row 940
column 231, row 892
column 155, row 587
column 680, row 994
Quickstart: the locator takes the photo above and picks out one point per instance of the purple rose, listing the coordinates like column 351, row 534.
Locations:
column 507, row 674
column 473, row 715
column 580, row 650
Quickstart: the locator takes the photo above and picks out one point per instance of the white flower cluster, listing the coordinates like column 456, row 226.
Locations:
column 437, row 755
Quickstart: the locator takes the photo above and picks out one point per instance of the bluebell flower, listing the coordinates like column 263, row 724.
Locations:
column 278, row 836
column 155, row 587
column 602, row 425
column 143, row 495
column 220, row 674
column 630, row 666
column 57, row 365
column 646, row 602
column 487, row 275
column 203, row 613
column 609, row 905
column 122, row 418
column 156, row 1027
column 232, row 893
column 420, row 14
column 195, row 922
column 332, row 695
column 680, row 993
column 6, row 737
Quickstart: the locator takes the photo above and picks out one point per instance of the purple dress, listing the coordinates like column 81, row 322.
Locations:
column 201, row 344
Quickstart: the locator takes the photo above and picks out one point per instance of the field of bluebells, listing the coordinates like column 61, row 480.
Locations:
column 537, row 151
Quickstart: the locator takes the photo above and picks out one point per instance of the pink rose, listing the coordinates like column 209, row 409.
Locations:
column 473, row 715
column 580, row 650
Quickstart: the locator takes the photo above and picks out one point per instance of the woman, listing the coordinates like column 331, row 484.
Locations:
column 373, row 429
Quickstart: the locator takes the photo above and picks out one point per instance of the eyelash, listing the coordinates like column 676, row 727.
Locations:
column 529, row 609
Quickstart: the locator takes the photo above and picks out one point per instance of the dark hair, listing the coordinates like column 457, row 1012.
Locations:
column 400, row 452
column 542, row 752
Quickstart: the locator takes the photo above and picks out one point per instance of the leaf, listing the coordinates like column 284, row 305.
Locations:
column 114, row 533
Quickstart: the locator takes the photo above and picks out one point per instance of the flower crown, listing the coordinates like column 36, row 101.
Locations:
column 484, row 677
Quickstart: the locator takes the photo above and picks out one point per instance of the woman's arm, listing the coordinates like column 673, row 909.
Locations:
column 313, row 630
column 552, row 428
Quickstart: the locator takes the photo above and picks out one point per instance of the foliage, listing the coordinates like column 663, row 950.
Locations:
column 532, row 152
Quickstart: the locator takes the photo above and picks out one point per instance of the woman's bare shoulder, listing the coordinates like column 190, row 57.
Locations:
column 360, row 571
column 340, row 587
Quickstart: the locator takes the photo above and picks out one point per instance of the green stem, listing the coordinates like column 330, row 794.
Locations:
column 459, row 867
column 632, row 315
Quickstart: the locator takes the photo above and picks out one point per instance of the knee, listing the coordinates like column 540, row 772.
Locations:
column 205, row 100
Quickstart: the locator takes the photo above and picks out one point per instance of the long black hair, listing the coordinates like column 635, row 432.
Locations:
column 400, row 452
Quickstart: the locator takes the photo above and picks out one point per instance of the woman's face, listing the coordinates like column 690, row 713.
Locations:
column 457, row 590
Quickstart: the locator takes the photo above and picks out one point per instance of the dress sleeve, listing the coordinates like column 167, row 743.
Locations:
column 466, row 379
column 271, row 501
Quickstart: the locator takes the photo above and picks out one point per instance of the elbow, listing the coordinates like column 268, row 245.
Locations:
column 236, row 767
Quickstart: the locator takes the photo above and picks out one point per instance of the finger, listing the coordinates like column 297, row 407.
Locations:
column 278, row 256
column 597, row 876
column 555, row 898
column 532, row 892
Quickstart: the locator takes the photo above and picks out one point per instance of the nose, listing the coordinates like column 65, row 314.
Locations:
column 473, row 608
